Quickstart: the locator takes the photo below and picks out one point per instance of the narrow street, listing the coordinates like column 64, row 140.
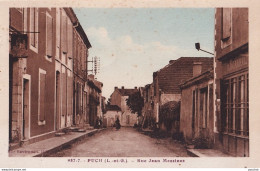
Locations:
column 126, row 142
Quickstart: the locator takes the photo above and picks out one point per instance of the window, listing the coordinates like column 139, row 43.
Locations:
column 49, row 36
column 34, row 29
column 70, row 39
column 193, row 110
column 25, row 19
column 226, row 27
column 58, row 36
column 236, row 105
column 41, row 97
column 127, row 119
column 64, row 33
column 155, row 87
column 204, row 107
column 20, row 10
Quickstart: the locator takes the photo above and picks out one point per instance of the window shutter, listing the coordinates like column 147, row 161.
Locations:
column 58, row 33
column 64, row 33
column 49, row 35
column 70, row 43
column 42, row 96
column 16, row 14
column 226, row 33
column 32, row 26
column 36, row 26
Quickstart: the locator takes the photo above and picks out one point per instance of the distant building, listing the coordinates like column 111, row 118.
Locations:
column 166, row 82
column 112, row 113
column 118, row 97
column 197, row 112
column 148, row 114
column 232, row 80
column 80, row 48
column 94, row 90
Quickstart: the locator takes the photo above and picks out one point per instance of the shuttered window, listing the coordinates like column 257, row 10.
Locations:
column 49, row 35
column 58, row 33
column 70, row 39
column 203, row 107
column 226, row 19
column 64, row 33
column 42, row 91
column 34, row 27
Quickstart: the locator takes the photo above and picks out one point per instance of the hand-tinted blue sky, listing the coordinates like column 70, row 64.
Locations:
column 132, row 43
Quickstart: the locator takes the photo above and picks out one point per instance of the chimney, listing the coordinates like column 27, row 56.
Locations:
column 135, row 87
column 171, row 61
column 197, row 68
column 116, row 88
column 122, row 87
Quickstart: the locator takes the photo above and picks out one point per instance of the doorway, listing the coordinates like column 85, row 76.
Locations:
column 26, row 109
column 57, row 122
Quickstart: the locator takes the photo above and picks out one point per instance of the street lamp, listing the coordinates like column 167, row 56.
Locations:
column 197, row 46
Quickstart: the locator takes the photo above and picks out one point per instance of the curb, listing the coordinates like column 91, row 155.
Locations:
column 61, row 146
column 192, row 153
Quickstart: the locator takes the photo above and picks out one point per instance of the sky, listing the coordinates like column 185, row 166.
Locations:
column 132, row 43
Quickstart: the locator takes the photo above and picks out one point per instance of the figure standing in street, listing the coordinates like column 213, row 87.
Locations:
column 117, row 123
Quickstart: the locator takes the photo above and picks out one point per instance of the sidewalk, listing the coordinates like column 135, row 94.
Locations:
column 45, row 147
column 206, row 153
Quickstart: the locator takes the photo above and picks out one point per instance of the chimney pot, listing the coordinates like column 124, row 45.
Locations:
column 135, row 87
column 122, row 87
column 116, row 88
column 197, row 68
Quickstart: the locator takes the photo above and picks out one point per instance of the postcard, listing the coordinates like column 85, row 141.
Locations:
column 129, row 84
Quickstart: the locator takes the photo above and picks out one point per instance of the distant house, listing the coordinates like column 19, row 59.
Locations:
column 94, row 100
column 149, row 119
column 112, row 113
column 197, row 113
column 118, row 97
column 166, row 82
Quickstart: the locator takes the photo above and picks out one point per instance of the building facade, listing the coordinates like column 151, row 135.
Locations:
column 80, row 95
column 94, row 101
column 197, row 112
column 147, row 112
column 232, row 80
column 166, row 82
column 118, row 97
column 42, row 77
column 32, row 108
column 112, row 113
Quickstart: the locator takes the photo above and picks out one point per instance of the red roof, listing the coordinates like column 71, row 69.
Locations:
column 127, row 92
column 179, row 71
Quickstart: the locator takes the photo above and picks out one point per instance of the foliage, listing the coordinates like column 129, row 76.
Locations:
column 201, row 143
column 178, row 136
column 135, row 102
column 169, row 114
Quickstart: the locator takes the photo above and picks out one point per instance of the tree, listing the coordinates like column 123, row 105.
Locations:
column 135, row 102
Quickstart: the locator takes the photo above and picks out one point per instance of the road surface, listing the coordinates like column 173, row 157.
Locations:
column 126, row 142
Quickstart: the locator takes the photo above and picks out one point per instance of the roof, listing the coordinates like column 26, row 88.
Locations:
column 113, row 108
column 127, row 92
column 198, row 79
column 78, row 26
column 178, row 71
